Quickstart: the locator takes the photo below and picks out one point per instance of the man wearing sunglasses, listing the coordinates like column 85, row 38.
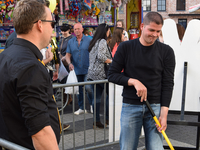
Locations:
column 28, row 112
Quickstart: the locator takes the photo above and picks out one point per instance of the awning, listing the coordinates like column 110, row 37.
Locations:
column 195, row 8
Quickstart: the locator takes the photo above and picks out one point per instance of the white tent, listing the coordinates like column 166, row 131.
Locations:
column 195, row 8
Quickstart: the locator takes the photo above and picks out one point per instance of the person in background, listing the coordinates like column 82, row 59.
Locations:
column 109, row 37
column 28, row 112
column 86, row 32
column 10, row 39
column 99, row 55
column 66, row 36
column 47, row 54
column 117, row 38
column 148, row 74
column 77, row 57
column 72, row 31
column 120, row 23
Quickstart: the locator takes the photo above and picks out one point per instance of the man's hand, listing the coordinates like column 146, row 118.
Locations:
column 71, row 67
column 163, row 119
column 49, row 55
column 67, row 57
column 140, row 88
column 55, row 75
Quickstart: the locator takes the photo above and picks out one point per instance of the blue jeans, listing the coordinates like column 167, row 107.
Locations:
column 89, row 91
column 99, row 91
column 133, row 117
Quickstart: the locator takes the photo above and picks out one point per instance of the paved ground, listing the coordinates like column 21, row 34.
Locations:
column 184, row 136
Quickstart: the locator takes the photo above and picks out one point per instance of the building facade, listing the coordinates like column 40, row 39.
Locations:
column 178, row 10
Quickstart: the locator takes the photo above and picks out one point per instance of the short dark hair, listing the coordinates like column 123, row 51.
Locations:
column 65, row 27
column 45, row 2
column 153, row 17
column 26, row 12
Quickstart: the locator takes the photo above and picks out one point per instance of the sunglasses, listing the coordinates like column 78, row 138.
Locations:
column 53, row 22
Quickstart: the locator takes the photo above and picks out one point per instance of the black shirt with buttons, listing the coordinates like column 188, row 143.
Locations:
column 26, row 103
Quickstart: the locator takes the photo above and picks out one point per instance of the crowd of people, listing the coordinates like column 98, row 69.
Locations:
column 144, row 66
column 87, row 56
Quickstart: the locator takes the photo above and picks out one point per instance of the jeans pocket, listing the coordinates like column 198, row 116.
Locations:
column 126, row 105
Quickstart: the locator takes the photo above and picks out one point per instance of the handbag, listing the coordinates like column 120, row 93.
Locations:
column 107, row 65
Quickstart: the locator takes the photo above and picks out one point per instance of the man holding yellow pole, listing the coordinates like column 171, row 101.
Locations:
column 148, row 74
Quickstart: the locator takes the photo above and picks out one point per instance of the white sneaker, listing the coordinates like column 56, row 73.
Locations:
column 79, row 111
column 91, row 109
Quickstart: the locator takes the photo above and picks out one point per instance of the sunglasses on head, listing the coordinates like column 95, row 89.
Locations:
column 53, row 22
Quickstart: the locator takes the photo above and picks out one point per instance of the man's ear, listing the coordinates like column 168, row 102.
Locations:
column 39, row 25
column 141, row 26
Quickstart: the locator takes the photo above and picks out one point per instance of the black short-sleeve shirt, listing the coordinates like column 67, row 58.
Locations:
column 26, row 103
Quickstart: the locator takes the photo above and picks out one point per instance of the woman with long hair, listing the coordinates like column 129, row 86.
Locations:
column 99, row 55
column 120, row 23
column 117, row 38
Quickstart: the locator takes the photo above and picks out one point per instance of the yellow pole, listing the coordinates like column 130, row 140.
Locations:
column 163, row 133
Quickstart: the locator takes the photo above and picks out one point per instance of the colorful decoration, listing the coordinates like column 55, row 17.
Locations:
column 66, row 5
column 117, row 3
column 61, row 7
column 52, row 5
column 75, row 7
column 102, row 7
column 87, row 4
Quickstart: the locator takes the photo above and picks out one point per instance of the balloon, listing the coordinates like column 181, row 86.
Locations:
column 52, row 5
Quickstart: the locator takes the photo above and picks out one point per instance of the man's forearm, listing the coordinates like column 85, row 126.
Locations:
column 45, row 139
column 57, row 67
column 68, row 56
column 164, row 111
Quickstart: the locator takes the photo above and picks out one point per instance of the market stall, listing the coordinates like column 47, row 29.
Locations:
column 89, row 12
column 6, row 25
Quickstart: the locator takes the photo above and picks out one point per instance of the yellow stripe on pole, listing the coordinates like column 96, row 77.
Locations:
column 163, row 133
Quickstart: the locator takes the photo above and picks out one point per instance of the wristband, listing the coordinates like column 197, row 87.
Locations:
column 69, row 64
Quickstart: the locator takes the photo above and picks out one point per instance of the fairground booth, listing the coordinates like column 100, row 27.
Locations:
column 89, row 12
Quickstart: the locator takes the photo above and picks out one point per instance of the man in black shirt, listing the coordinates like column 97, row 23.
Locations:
column 28, row 112
column 148, row 74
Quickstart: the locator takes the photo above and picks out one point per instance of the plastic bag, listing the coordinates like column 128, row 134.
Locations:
column 72, row 79
column 62, row 72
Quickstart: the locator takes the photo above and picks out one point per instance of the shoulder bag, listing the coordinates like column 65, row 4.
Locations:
column 107, row 65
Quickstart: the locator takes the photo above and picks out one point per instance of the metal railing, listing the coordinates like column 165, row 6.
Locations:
column 9, row 145
column 61, row 86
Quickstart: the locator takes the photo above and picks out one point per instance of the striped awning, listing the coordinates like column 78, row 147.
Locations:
column 195, row 8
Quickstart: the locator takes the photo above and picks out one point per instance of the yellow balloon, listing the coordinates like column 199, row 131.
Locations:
column 52, row 5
